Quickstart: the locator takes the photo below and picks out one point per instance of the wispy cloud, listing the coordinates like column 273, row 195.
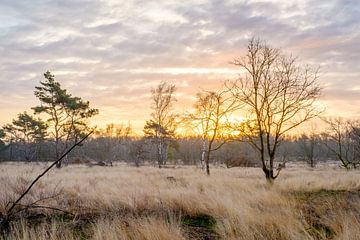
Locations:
column 113, row 52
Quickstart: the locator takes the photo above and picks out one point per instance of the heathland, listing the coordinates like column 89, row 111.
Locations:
column 123, row 202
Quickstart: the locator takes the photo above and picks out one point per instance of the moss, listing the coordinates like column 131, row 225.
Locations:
column 201, row 220
column 321, row 231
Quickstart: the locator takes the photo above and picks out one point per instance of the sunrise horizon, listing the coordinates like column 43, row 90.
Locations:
column 113, row 57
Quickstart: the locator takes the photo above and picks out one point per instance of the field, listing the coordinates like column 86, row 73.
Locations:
column 123, row 202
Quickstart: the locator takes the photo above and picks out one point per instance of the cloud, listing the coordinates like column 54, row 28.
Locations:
column 113, row 52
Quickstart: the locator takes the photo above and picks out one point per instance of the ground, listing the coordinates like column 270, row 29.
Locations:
column 124, row 202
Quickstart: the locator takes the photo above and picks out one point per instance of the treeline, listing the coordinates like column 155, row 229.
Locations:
column 137, row 151
column 274, row 95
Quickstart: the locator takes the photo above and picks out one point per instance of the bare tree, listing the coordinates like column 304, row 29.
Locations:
column 309, row 147
column 278, row 95
column 161, row 127
column 112, row 139
column 210, row 121
column 138, row 151
column 344, row 141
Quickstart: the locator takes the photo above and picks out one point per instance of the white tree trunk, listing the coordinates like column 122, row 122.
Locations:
column 203, row 152
column 160, row 152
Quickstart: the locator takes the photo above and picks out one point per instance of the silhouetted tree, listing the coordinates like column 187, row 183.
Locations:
column 2, row 138
column 111, row 139
column 161, row 127
column 309, row 147
column 68, row 115
column 138, row 151
column 344, row 141
column 278, row 95
column 27, row 131
column 210, row 121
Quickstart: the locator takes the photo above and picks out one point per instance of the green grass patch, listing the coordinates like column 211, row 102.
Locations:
column 202, row 220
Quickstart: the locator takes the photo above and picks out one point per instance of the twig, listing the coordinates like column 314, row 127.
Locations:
column 26, row 207
column 45, row 198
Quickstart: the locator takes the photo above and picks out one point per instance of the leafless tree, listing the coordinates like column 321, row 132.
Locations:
column 278, row 95
column 309, row 147
column 161, row 127
column 210, row 121
column 138, row 151
column 344, row 141
column 112, row 138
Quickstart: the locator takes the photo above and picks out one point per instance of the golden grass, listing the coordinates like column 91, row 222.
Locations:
column 124, row 202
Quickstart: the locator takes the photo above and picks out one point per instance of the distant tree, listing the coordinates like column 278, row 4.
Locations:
column 189, row 149
column 27, row 131
column 277, row 94
column 67, row 115
column 211, row 121
column 344, row 141
column 161, row 127
column 111, row 139
column 138, row 151
column 112, row 130
column 2, row 138
column 309, row 147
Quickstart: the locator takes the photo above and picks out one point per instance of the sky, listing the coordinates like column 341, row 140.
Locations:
column 113, row 53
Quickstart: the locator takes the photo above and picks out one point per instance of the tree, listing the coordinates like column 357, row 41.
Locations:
column 68, row 115
column 309, row 147
column 161, row 127
column 27, row 131
column 138, row 151
column 2, row 137
column 278, row 95
column 112, row 139
column 344, row 141
column 210, row 120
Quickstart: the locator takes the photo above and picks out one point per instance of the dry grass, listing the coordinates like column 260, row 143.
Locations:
column 143, row 203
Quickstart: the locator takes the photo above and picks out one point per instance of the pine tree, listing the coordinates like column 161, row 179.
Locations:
column 26, row 131
column 67, row 115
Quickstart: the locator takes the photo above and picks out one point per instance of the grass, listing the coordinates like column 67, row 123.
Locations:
column 124, row 202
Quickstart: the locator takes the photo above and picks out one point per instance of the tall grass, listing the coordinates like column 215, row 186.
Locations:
column 146, row 203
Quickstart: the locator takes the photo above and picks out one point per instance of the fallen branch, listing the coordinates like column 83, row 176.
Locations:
column 6, row 217
column 27, row 207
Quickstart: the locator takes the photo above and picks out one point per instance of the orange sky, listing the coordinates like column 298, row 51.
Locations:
column 112, row 53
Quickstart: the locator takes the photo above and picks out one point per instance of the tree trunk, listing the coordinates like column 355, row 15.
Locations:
column 312, row 163
column 269, row 175
column 160, row 153
column 11, row 151
column 58, row 165
column 165, row 153
column 207, row 162
column 269, row 170
column 57, row 153
column 203, row 152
